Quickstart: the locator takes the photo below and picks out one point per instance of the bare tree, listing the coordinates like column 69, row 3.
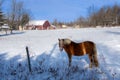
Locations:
column 24, row 19
column 116, row 14
column 12, row 15
column 106, row 16
column 55, row 22
column 92, row 13
column 16, row 15
column 101, row 16
column 81, row 22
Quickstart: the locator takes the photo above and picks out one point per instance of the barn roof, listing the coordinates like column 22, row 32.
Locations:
column 37, row 22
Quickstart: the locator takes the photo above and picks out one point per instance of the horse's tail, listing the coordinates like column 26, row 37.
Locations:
column 94, row 49
column 95, row 59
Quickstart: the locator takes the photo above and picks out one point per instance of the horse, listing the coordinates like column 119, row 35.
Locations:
column 79, row 49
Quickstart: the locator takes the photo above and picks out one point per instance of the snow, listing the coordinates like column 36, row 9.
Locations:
column 48, row 63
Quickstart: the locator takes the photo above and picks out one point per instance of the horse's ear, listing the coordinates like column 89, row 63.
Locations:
column 58, row 39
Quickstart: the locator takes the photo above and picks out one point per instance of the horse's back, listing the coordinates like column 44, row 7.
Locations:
column 89, row 43
column 89, row 46
column 82, row 48
column 86, row 42
column 79, row 49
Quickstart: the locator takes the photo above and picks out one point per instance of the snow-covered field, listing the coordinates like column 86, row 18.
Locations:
column 48, row 63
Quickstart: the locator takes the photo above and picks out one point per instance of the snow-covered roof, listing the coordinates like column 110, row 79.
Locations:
column 36, row 22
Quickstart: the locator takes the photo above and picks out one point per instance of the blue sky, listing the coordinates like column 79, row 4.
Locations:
column 62, row 10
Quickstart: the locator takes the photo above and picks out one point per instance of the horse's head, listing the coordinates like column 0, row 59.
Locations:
column 63, row 42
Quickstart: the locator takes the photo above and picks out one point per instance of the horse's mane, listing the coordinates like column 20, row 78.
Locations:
column 67, row 41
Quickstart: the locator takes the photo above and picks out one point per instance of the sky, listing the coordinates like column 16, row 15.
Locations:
column 62, row 10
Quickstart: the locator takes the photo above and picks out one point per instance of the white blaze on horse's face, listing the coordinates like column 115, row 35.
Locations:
column 61, row 45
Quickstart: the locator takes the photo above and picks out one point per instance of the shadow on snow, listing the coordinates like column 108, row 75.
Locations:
column 53, row 65
column 14, row 33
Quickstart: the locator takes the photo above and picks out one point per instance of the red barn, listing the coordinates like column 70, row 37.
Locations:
column 38, row 25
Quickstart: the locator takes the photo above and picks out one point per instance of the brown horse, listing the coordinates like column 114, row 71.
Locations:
column 79, row 49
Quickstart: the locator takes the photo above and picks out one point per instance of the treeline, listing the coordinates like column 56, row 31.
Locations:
column 105, row 16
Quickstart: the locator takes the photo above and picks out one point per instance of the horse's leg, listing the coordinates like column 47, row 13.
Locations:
column 96, row 64
column 95, row 60
column 91, row 60
column 94, row 56
column 70, row 59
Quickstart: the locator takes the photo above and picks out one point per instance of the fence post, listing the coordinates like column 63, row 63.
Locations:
column 28, row 57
